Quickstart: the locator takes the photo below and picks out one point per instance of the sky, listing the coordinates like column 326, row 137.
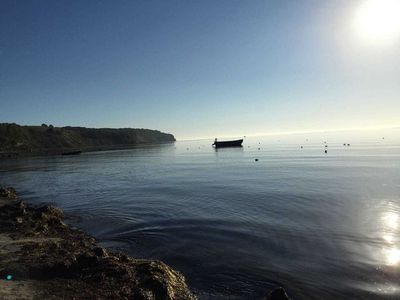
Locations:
column 198, row 68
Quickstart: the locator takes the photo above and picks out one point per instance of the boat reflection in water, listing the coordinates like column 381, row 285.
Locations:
column 224, row 144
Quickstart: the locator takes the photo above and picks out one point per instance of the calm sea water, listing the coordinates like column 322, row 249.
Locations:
column 324, row 226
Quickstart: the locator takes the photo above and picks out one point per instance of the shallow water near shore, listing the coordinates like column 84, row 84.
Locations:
column 321, row 225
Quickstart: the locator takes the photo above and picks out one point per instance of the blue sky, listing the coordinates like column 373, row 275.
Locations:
column 194, row 68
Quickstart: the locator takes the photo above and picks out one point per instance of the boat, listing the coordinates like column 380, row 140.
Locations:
column 233, row 143
column 77, row 152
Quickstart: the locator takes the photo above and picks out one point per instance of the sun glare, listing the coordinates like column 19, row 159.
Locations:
column 378, row 21
column 392, row 256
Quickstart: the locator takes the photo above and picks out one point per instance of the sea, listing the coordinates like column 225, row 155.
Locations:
column 237, row 222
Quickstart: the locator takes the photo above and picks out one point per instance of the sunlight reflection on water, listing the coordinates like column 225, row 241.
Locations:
column 386, row 252
column 390, row 219
column 392, row 256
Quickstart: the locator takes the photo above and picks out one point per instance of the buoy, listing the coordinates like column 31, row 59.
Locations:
column 326, row 151
column 326, row 146
column 258, row 148
column 9, row 277
column 256, row 159
column 348, row 144
column 301, row 147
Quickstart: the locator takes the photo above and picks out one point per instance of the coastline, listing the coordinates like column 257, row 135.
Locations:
column 57, row 152
column 43, row 258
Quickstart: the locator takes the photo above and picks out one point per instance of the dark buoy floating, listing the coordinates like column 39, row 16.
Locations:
column 326, row 146
column 348, row 144
column 301, row 147
column 326, row 151
column 256, row 159
column 258, row 148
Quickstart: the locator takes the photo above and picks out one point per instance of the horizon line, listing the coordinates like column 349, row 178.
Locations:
column 296, row 132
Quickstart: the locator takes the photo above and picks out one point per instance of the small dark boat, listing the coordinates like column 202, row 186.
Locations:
column 77, row 152
column 235, row 143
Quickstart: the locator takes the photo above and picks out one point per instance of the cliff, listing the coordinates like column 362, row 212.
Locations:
column 54, row 140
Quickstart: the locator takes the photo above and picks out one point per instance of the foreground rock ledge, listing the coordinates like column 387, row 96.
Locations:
column 47, row 259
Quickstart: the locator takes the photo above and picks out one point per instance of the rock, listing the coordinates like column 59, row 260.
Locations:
column 8, row 192
column 50, row 213
column 278, row 293
column 99, row 251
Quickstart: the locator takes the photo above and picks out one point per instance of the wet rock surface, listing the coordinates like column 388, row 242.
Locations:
column 277, row 294
column 47, row 259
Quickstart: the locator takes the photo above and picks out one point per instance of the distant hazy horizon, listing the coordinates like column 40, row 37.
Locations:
column 200, row 69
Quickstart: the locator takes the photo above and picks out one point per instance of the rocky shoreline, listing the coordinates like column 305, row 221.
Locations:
column 43, row 258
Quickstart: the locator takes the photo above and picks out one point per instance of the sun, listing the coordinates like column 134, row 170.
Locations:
column 378, row 21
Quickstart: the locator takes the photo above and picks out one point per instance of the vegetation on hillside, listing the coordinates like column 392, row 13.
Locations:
column 50, row 139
